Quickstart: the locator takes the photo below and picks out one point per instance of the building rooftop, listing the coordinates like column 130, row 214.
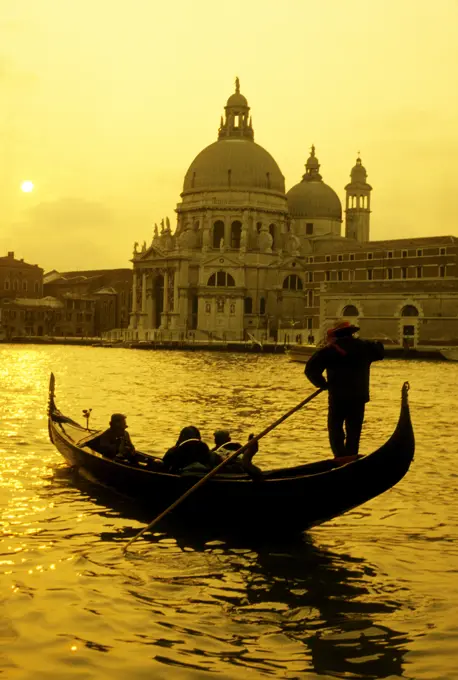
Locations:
column 47, row 301
column 10, row 261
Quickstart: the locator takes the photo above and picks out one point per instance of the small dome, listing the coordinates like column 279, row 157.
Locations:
column 237, row 100
column 314, row 200
column 233, row 163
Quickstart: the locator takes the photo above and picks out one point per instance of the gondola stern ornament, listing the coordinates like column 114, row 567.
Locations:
column 87, row 415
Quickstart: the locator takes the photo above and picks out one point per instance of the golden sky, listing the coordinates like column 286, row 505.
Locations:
column 105, row 103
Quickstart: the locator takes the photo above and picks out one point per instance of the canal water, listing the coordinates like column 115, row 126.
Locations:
column 373, row 594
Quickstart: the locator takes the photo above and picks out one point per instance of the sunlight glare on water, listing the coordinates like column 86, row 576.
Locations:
column 370, row 595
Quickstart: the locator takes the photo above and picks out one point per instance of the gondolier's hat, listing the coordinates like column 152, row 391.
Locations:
column 342, row 330
column 117, row 418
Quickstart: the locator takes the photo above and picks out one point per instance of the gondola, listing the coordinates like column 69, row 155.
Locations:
column 286, row 500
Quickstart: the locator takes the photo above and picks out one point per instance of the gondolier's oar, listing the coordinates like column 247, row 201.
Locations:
column 219, row 467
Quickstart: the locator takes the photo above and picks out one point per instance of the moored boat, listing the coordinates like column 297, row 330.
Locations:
column 300, row 353
column 451, row 353
column 285, row 500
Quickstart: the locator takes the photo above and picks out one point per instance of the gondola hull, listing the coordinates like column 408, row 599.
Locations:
column 291, row 500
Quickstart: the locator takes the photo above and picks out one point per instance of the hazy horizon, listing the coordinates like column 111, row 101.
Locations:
column 105, row 105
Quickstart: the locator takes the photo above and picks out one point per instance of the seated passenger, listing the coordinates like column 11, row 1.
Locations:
column 221, row 437
column 114, row 442
column 188, row 451
column 223, row 443
column 224, row 446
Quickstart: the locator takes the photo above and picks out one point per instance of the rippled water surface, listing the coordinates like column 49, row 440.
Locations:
column 373, row 594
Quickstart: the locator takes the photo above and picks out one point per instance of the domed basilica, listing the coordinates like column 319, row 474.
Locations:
column 240, row 261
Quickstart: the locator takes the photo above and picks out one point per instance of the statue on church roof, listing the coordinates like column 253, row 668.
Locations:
column 135, row 248
column 167, row 223
column 156, row 230
column 162, row 226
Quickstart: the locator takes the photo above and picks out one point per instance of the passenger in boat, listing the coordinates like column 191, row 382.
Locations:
column 190, row 453
column 221, row 437
column 114, row 442
column 224, row 446
column 347, row 362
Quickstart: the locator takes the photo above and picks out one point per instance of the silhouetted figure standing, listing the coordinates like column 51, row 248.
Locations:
column 347, row 362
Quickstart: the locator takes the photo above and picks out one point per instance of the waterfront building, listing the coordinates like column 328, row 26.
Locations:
column 109, row 289
column 246, row 258
column 69, row 316
column 18, row 278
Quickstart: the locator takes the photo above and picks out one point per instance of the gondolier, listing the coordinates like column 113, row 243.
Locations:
column 347, row 362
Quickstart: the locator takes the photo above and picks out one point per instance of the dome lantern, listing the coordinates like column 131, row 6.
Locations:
column 312, row 168
column 237, row 123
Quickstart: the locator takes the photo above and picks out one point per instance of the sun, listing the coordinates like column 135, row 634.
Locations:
column 27, row 186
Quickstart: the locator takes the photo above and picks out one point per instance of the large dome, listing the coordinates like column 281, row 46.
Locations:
column 314, row 200
column 234, row 163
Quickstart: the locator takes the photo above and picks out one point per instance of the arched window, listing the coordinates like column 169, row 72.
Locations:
column 236, row 233
column 292, row 282
column 409, row 310
column 221, row 279
column 218, row 233
column 262, row 305
column 350, row 310
column 248, row 305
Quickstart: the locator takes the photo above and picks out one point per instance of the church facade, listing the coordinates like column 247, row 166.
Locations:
column 248, row 258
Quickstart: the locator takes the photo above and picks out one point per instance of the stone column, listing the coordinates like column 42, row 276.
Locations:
column 227, row 231
column 133, row 314
column 134, row 293
column 152, row 302
column 166, row 291
column 142, row 315
column 144, row 293
column 175, row 291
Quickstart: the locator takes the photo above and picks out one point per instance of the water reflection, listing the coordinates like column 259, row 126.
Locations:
column 325, row 606
column 337, row 604
column 330, row 609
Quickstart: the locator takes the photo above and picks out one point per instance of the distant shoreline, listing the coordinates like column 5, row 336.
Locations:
column 297, row 353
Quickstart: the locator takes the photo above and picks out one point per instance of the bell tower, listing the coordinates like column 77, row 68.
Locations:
column 358, row 204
